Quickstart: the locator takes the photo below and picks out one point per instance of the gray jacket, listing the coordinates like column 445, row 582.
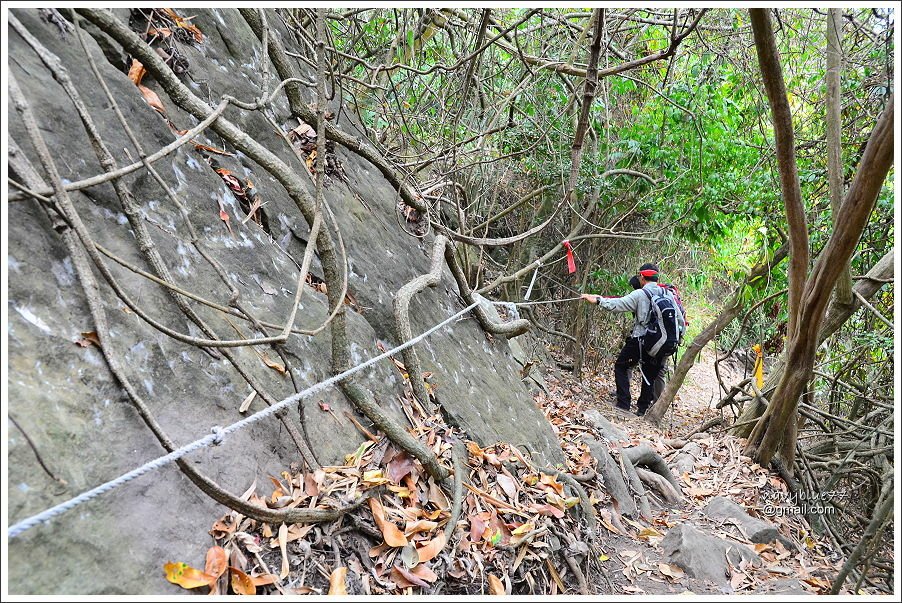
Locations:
column 637, row 302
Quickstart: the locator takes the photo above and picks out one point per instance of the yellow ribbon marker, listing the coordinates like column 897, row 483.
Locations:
column 759, row 366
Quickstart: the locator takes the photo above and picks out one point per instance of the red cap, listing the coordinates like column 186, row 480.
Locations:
column 648, row 272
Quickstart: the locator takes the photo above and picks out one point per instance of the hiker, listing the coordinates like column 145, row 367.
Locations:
column 661, row 380
column 649, row 355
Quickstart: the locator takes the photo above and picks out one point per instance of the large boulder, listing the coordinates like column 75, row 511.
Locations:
column 755, row 530
column 77, row 416
column 703, row 556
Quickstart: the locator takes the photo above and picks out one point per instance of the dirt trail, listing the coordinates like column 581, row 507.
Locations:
column 799, row 563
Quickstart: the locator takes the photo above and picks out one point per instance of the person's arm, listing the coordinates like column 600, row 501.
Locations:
column 627, row 303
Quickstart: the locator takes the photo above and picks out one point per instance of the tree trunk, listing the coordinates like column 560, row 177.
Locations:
column 730, row 311
column 774, row 426
column 866, row 288
column 807, row 298
column 843, row 294
column 784, row 139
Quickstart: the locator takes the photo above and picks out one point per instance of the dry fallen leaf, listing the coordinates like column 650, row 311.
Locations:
column 151, row 98
column 184, row 23
column 337, row 581
column 136, row 72
column 186, row 576
column 303, row 131
column 88, row 338
column 241, row 582
column 424, row 573
column 549, row 510
column 409, row 556
column 405, row 578
column 648, row 533
column 551, row 482
column 671, row 571
column 399, row 467
column 224, row 216
column 508, row 485
column 247, row 402
column 198, row 146
column 283, row 543
column 697, row 492
column 390, row 532
column 279, row 368
column 432, row 548
column 264, row 579
column 496, row 586
column 423, row 525
column 523, row 529
column 217, row 561
column 374, row 478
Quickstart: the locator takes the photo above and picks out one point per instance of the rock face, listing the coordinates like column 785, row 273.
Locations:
column 754, row 529
column 63, row 394
column 703, row 556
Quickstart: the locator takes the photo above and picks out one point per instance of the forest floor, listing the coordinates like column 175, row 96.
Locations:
column 637, row 563
column 523, row 528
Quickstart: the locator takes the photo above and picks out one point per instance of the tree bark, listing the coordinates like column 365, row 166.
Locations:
column 807, row 297
column 776, row 423
column 784, row 139
column 843, row 294
column 730, row 311
column 836, row 318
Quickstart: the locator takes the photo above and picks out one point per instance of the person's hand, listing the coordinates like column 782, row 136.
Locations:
column 592, row 299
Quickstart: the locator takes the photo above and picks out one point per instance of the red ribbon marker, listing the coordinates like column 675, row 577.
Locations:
column 571, row 261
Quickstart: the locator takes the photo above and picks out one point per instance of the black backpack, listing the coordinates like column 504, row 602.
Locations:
column 662, row 337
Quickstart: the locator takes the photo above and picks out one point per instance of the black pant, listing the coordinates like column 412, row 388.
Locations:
column 629, row 357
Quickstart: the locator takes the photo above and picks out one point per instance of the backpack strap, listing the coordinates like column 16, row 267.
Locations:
column 650, row 313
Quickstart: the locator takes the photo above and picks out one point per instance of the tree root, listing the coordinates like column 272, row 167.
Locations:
column 612, row 477
column 458, row 455
column 401, row 306
column 146, row 244
column 297, row 191
column 660, row 484
column 643, row 455
column 586, row 507
column 704, row 427
column 636, row 484
column 78, row 242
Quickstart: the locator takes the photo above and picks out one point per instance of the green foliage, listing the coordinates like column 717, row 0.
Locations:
column 698, row 123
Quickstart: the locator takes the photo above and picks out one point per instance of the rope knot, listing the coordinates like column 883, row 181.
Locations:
column 511, row 308
column 220, row 436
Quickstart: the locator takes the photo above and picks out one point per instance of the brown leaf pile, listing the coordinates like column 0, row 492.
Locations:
column 517, row 527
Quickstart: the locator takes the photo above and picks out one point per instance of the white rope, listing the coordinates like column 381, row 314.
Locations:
column 218, row 434
column 511, row 309
column 550, row 301
column 479, row 298
column 532, row 282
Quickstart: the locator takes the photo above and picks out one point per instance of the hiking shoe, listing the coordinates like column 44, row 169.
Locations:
column 622, row 413
column 641, row 411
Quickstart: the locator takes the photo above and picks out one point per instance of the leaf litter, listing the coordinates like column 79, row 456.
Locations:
column 520, row 529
